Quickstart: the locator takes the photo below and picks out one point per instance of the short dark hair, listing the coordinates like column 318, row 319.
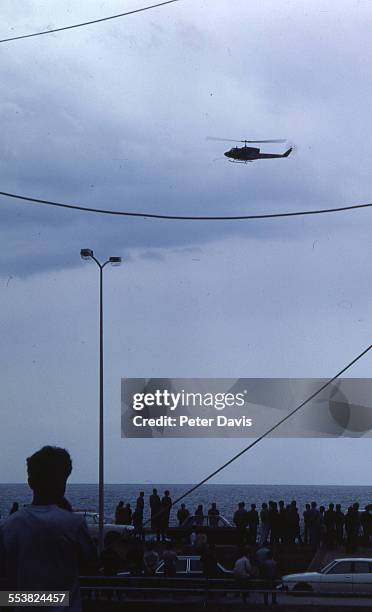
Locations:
column 48, row 469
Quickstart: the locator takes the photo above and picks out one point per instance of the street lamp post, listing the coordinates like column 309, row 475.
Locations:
column 114, row 261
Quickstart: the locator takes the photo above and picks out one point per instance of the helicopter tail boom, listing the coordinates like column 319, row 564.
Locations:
column 274, row 155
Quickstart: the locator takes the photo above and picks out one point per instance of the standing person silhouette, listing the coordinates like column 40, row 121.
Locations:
column 127, row 515
column 241, row 521
column 119, row 513
column 182, row 514
column 339, row 524
column 140, row 503
column 155, row 508
column 166, row 505
column 253, row 522
column 43, row 544
column 213, row 514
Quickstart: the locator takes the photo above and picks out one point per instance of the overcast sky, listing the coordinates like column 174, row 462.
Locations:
column 116, row 115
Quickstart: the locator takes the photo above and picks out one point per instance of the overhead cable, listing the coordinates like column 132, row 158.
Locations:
column 86, row 23
column 149, row 215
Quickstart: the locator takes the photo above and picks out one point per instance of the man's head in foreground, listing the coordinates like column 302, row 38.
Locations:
column 48, row 470
column 42, row 546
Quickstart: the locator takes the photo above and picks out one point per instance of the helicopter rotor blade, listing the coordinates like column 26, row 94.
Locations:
column 222, row 139
column 272, row 140
column 250, row 141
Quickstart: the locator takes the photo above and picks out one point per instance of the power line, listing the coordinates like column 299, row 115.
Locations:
column 86, row 23
column 269, row 431
column 184, row 217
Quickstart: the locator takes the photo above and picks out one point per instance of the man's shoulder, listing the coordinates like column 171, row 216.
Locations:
column 16, row 518
column 47, row 513
column 74, row 518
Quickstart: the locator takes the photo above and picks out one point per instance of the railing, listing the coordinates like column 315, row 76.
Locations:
column 169, row 590
column 201, row 590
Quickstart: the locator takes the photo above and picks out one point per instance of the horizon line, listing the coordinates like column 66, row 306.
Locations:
column 222, row 484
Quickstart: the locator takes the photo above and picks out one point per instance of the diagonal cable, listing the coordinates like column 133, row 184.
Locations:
column 268, row 432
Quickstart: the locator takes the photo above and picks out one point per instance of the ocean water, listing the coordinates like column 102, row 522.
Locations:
column 227, row 497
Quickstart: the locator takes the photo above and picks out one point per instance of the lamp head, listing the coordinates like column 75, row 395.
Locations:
column 115, row 261
column 86, row 253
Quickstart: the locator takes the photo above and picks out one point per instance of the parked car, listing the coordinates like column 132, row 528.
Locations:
column 353, row 575
column 212, row 522
column 92, row 519
column 189, row 566
column 217, row 529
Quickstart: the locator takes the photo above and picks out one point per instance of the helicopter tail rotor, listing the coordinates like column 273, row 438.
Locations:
column 294, row 148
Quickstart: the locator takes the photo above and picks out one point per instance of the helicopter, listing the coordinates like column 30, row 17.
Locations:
column 243, row 155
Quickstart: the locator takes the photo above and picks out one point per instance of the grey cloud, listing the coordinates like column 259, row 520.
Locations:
column 86, row 128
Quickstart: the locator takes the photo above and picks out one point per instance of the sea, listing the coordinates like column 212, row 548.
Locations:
column 227, row 496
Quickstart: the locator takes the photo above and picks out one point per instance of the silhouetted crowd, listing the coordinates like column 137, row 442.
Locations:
column 281, row 523
column 274, row 523
column 159, row 509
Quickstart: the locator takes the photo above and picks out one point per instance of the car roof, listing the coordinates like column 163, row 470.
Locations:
column 192, row 558
column 192, row 517
column 353, row 559
column 185, row 557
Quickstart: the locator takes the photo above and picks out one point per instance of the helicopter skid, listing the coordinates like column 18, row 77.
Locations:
column 233, row 161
